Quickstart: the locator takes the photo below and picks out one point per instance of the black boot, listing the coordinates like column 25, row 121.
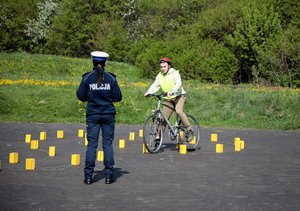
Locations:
column 88, row 181
column 109, row 179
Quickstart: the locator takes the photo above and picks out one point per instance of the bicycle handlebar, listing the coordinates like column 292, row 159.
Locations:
column 159, row 96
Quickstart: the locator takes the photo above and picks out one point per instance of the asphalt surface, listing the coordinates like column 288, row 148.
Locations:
column 264, row 176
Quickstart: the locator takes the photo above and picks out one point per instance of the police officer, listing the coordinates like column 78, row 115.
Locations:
column 100, row 89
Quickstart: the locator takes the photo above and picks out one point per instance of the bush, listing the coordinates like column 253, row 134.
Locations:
column 278, row 60
column 209, row 61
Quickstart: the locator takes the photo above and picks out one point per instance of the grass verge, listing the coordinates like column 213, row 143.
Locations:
column 41, row 88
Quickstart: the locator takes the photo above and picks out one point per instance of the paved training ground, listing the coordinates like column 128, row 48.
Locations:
column 264, row 176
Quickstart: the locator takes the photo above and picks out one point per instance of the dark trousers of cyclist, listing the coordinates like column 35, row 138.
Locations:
column 107, row 125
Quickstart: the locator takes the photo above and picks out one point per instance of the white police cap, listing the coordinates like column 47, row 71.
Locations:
column 99, row 56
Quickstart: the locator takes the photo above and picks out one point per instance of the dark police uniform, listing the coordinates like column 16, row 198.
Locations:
column 100, row 113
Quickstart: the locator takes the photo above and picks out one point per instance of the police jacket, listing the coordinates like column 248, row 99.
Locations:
column 99, row 99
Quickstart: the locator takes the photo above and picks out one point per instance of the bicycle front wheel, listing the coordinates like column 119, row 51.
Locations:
column 193, row 142
column 151, row 130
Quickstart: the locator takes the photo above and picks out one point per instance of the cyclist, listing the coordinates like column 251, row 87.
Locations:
column 169, row 80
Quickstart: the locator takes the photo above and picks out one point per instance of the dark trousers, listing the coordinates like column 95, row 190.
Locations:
column 107, row 125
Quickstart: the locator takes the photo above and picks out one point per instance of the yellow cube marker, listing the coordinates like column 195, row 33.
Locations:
column 30, row 164
column 219, row 148
column 51, row 151
column 242, row 142
column 86, row 140
column 181, row 134
column 80, row 133
column 145, row 151
column 121, row 143
column 34, row 144
column 131, row 136
column 43, row 136
column 236, row 139
column 214, row 137
column 100, row 156
column 75, row 160
column 60, row 134
column 237, row 146
column 182, row 149
column 193, row 141
column 141, row 133
column 13, row 157
column 27, row 138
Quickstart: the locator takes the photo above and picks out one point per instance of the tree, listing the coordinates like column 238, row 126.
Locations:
column 279, row 60
column 13, row 21
column 289, row 12
column 37, row 29
column 130, row 12
column 257, row 26
column 73, row 29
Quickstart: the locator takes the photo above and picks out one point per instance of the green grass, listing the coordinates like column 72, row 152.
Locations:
column 227, row 106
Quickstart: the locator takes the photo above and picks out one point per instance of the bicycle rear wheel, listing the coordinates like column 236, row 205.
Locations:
column 193, row 142
column 152, row 127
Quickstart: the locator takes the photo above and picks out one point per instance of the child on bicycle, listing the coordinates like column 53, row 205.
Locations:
column 169, row 80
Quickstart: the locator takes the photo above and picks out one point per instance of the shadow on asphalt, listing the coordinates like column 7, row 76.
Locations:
column 99, row 174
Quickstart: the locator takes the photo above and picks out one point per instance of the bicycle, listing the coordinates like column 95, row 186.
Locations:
column 154, row 126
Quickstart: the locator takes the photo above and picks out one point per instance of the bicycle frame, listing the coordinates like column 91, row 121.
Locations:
column 161, row 115
column 155, row 125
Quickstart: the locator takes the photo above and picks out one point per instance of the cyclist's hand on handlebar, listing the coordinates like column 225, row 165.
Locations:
column 159, row 96
column 164, row 94
column 169, row 94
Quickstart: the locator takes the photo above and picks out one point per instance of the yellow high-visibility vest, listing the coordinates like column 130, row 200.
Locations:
column 167, row 83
